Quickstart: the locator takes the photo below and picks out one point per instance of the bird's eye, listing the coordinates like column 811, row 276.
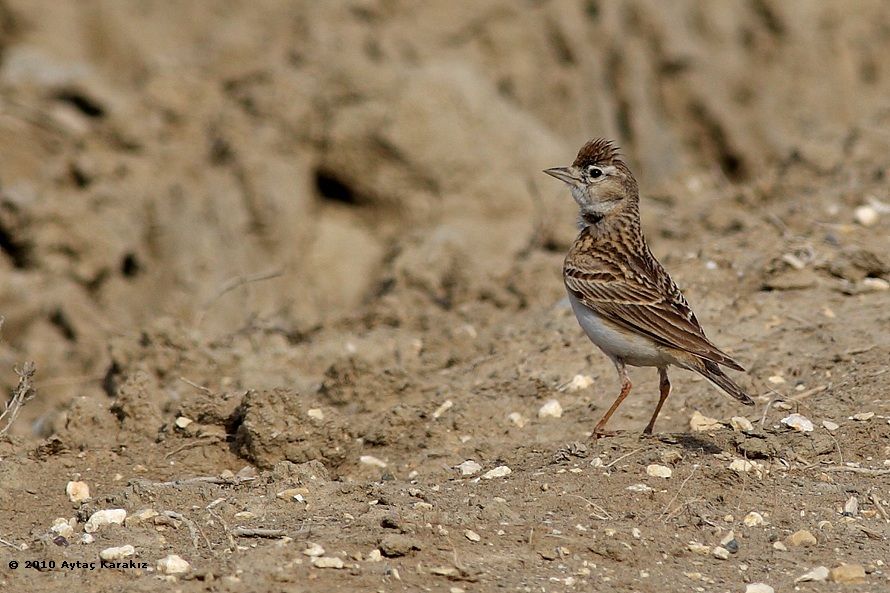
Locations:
column 594, row 172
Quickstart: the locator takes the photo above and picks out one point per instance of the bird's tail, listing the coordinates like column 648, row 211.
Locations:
column 713, row 373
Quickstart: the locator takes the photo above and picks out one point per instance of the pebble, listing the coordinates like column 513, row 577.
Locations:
column 104, row 517
column 720, row 553
column 77, row 491
column 87, row 539
column 472, row 535
column 801, row 538
column 659, row 471
column 118, row 553
column 699, row 549
column 578, row 383
column 371, row 460
column 848, row 573
column 798, row 422
column 851, row 507
column 780, row 547
column 375, row 555
column 753, row 519
column 639, row 488
column 183, row 422
column 61, row 526
column 551, row 409
column 701, row 423
column 469, row 468
column 140, row 516
column 759, row 588
column 327, row 562
column 518, row 419
column 313, row 550
column 315, row 413
column 395, row 545
column 776, row 379
column 875, row 284
column 446, row 405
column 498, row 472
column 863, row 416
column 866, row 215
column 829, row 425
column 741, row 424
column 745, row 465
column 818, row 574
column 173, row 564
column 297, row 494
column 730, row 542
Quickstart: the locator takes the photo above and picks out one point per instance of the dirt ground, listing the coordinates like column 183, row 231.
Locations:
column 290, row 275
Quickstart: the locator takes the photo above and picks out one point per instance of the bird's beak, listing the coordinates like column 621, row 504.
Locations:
column 566, row 174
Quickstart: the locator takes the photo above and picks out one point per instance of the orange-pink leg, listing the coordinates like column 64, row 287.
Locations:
column 599, row 431
column 665, row 390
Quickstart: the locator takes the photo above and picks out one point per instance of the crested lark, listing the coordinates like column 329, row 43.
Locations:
column 623, row 298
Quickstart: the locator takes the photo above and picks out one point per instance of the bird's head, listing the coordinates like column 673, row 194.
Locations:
column 600, row 181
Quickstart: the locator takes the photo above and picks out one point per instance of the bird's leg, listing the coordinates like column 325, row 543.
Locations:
column 625, row 389
column 664, row 387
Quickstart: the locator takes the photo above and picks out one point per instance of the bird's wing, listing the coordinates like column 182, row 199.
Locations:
column 649, row 304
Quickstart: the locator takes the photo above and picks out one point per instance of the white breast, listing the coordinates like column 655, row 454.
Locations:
column 632, row 349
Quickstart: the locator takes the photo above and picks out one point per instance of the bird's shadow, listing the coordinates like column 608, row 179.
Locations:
column 691, row 442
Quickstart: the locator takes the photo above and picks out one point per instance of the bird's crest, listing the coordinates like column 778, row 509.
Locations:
column 598, row 152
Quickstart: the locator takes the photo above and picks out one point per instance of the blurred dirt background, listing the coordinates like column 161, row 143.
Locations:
column 304, row 252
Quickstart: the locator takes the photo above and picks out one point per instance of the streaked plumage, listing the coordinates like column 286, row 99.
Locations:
column 623, row 298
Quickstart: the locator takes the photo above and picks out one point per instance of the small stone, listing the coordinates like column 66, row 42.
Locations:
column 118, row 553
column 518, row 419
column 597, row 462
column 578, row 383
column 699, row 549
column 295, row 494
column 829, row 425
column 639, row 488
column 374, row 556
column 61, row 526
column 701, row 423
column 776, row 379
column 77, row 491
column 779, row 546
column 173, row 564
column 327, row 562
column 851, row 507
column 801, row 538
column 863, row 416
column 848, row 573
column 745, row 465
column 741, row 424
column 798, row 422
column 866, row 215
column 659, row 471
column 313, row 550
column 730, row 542
column 720, row 553
column 446, row 405
column 498, row 472
column 551, row 409
column 104, row 517
column 472, row 535
column 469, row 468
column 875, row 284
column 315, row 414
column 818, row 574
column 140, row 516
column 753, row 519
column 245, row 515
column 372, row 461
column 759, row 588
column 87, row 539
column 395, row 545
column 182, row 422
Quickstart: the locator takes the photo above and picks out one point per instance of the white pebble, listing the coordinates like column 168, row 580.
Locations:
column 518, row 419
column 720, row 553
column 851, row 507
column 741, row 424
column 173, row 564
column 818, row 574
column 551, row 409
column 118, row 553
column 753, row 519
column 104, row 517
column 375, row 555
column 371, row 460
column 699, row 549
column 498, row 472
column 61, row 526
column 759, row 588
column 87, row 539
column 701, row 423
column 578, row 383
column 313, row 550
column 315, row 413
column 866, row 215
column 745, row 465
column 183, row 422
column 472, row 535
column 639, row 488
column 469, row 468
column 77, row 491
column 327, row 562
column 779, row 546
column 829, row 425
column 863, row 416
column 875, row 284
column 776, row 379
column 798, row 422
column 446, row 405
column 659, row 471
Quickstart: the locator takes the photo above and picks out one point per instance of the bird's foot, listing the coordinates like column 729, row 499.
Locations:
column 601, row 433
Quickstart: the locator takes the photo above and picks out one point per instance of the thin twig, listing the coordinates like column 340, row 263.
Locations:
column 10, row 544
column 196, row 386
column 856, row 470
column 209, row 440
column 249, row 532
column 598, row 511
column 625, row 456
column 233, row 283
column 679, row 490
column 205, row 480
column 877, row 502
column 22, row 393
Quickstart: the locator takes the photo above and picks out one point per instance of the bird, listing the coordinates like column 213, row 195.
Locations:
column 623, row 298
